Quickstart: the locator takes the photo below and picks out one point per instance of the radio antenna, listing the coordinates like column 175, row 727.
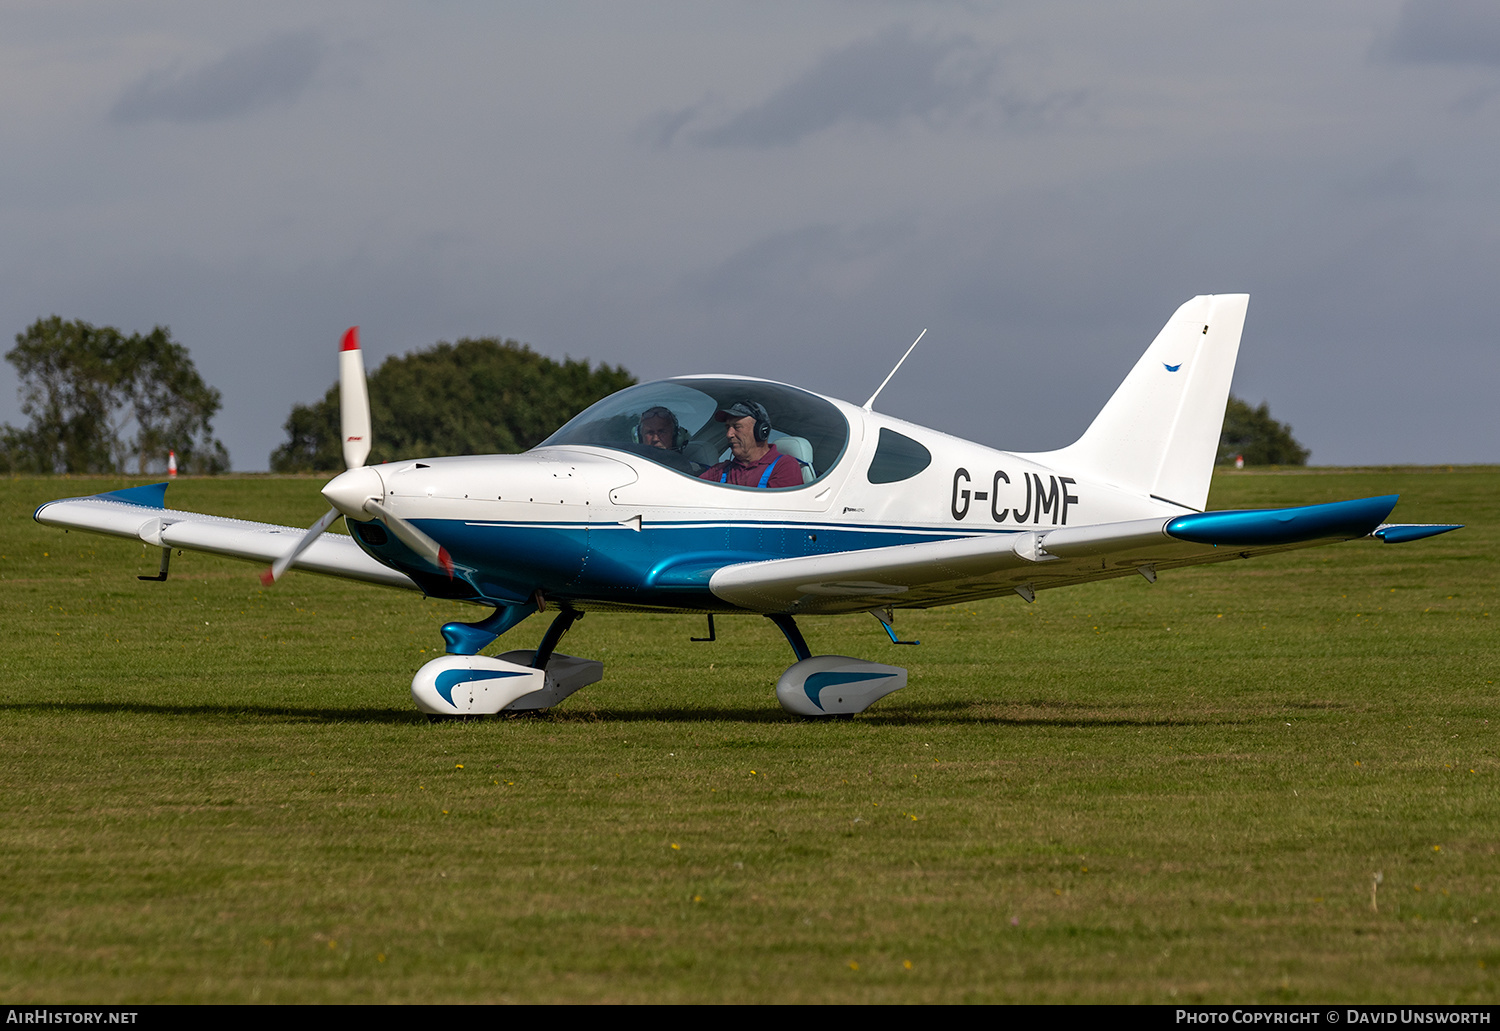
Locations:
column 869, row 404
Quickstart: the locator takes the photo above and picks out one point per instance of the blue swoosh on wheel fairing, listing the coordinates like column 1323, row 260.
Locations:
column 1171, row 368
column 814, row 684
column 448, row 679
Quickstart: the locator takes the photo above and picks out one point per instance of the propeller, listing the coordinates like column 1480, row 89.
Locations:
column 314, row 531
column 357, row 491
column 412, row 537
column 354, row 401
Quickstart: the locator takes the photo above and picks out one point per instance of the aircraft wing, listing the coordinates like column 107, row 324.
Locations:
column 140, row 513
column 963, row 569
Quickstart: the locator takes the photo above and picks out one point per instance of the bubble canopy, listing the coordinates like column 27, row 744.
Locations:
column 639, row 419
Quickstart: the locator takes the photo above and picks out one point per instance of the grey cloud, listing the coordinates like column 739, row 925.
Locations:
column 247, row 79
column 1474, row 100
column 662, row 128
column 890, row 76
column 821, row 261
column 1400, row 179
column 1447, row 32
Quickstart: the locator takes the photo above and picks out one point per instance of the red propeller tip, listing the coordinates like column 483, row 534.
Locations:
column 446, row 562
column 351, row 339
column 267, row 578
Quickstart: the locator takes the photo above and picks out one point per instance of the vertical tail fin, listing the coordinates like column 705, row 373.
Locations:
column 1159, row 433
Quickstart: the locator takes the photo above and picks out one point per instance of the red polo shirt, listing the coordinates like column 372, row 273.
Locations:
column 787, row 471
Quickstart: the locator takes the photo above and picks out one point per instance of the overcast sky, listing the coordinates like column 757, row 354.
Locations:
column 790, row 189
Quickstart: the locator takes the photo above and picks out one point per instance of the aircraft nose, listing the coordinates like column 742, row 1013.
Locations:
column 349, row 490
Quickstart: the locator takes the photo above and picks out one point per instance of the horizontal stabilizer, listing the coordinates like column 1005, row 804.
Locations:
column 1400, row 533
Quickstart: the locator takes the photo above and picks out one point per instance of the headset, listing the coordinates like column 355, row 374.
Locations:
column 659, row 412
column 756, row 411
column 762, row 421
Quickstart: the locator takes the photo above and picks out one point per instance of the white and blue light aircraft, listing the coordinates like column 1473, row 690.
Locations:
column 887, row 515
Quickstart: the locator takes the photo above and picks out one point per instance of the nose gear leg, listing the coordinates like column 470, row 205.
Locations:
column 469, row 638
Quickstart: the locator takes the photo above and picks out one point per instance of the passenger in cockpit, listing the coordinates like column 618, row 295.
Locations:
column 754, row 460
column 658, row 428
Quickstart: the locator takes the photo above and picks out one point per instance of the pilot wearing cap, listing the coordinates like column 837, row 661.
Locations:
column 754, row 460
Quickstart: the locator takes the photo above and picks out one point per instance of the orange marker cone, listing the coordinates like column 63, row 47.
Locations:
column 172, row 464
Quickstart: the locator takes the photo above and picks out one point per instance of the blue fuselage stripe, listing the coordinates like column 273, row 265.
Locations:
column 665, row 563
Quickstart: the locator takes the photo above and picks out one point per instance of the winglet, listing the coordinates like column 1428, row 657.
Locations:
column 150, row 495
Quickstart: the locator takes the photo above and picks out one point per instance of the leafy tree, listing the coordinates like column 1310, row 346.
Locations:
column 475, row 397
column 86, row 388
column 172, row 406
column 1261, row 439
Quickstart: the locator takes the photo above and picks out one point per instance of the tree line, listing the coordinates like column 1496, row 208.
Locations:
column 473, row 397
column 100, row 401
column 1251, row 433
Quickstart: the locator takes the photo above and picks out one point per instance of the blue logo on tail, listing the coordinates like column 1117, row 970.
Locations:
column 1171, row 368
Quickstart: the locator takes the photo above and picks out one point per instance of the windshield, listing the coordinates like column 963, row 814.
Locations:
column 672, row 423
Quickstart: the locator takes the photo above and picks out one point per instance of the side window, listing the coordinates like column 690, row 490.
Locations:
column 897, row 457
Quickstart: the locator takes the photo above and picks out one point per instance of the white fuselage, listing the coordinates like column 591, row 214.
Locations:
column 603, row 527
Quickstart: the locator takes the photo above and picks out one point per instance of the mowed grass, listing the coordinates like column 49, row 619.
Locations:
column 1124, row 792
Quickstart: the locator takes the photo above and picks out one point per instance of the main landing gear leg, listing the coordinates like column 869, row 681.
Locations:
column 561, row 625
column 788, row 626
column 830, row 685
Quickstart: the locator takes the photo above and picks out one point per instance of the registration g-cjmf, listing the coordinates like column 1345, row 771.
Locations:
column 725, row 494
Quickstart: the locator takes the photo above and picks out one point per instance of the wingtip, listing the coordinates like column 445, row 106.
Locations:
column 351, row 339
column 1275, row 526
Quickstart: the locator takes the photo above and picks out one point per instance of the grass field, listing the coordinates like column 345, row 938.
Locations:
column 1124, row 792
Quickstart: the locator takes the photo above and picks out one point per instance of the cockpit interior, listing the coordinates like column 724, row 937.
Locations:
column 671, row 422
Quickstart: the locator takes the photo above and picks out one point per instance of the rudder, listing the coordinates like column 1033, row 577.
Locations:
column 1159, row 433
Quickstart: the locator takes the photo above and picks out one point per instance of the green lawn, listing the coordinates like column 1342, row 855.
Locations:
column 1124, row 792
